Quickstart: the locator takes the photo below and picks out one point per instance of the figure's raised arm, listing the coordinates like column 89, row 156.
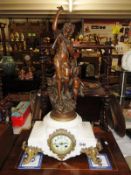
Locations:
column 55, row 22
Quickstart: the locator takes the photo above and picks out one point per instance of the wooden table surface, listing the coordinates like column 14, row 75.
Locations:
column 73, row 166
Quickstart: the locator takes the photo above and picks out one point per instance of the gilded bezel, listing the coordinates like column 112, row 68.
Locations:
column 65, row 133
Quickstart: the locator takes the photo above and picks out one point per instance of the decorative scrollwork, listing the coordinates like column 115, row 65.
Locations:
column 93, row 152
column 30, row 151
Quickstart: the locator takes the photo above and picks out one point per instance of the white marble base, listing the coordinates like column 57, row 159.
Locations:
column 82, row 132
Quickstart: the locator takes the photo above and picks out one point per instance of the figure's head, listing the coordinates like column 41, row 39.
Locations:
column 68, row 29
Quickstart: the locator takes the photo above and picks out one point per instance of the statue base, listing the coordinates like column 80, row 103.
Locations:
column 63, row 116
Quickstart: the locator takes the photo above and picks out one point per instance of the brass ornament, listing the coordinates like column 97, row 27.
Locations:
column 30, row 151
column 93, row 152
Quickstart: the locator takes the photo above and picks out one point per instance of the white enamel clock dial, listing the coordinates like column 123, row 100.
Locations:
column 61, row 142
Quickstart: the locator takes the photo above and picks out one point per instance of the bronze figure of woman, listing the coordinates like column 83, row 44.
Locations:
column 63, row 96
column 63, row 53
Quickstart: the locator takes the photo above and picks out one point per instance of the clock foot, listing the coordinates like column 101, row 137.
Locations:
column 92, row 153
column 30, row 152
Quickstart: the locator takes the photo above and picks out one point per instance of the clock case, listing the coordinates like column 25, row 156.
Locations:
column 62, row 139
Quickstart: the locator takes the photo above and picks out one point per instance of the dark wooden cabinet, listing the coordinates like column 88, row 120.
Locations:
column 7, row 139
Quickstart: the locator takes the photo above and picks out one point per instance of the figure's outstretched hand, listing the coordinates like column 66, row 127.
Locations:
column 60, row 8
